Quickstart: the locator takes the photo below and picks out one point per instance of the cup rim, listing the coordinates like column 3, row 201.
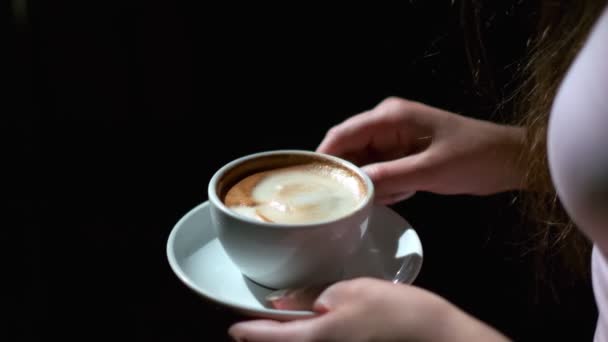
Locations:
column 215, row 200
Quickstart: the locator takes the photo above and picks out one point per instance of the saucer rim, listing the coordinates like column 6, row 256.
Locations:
column 178, row 271
column 265, row 312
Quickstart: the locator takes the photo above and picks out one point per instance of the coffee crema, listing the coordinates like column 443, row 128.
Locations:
column 312, row 192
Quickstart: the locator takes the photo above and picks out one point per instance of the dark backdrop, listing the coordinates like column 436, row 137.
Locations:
column 119, row 112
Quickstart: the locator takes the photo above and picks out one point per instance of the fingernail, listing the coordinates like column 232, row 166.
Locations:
column 403, row 196
column 276, row 295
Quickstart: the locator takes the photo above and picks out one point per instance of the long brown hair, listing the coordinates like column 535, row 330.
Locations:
column 562, row 28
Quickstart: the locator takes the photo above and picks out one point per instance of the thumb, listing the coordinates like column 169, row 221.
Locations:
column 272, row 331
column 335, row 296
column 399, row 176
column 295, row 299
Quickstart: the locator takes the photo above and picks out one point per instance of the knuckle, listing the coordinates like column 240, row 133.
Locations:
column 392, row 104
column 396, row 110
column 334, row 131
column 392, row 101
column 343, row 289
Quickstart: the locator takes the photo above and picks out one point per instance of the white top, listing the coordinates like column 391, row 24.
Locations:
column 578, row 154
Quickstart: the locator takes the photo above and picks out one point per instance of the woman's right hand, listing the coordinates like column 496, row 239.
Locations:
column 406, row 146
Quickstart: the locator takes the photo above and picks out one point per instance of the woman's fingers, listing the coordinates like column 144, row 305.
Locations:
column 391, row 130
column 354, row 134
column 271, row 331
column 379, row 129
column 394, row 198
column 396, row 179
column 318, row 298
column 295, row 299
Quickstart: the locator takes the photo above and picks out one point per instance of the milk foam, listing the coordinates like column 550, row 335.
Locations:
column 302, row 195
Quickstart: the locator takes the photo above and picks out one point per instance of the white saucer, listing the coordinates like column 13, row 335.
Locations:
column 391, row 251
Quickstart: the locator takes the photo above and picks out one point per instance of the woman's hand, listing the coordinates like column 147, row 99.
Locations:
column 407, row 146
column 373, row 310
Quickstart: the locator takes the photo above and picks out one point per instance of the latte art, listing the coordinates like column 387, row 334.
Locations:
column 298, row 194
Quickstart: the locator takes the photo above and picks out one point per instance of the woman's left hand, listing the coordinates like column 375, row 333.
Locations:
column 373, row 310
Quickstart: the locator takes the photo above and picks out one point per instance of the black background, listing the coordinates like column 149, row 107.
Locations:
column 117, row 114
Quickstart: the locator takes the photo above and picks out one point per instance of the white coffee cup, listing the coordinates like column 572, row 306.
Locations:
column 281, row 255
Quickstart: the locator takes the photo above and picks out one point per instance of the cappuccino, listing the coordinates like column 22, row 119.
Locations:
column 298, row 192
column 290, row 218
